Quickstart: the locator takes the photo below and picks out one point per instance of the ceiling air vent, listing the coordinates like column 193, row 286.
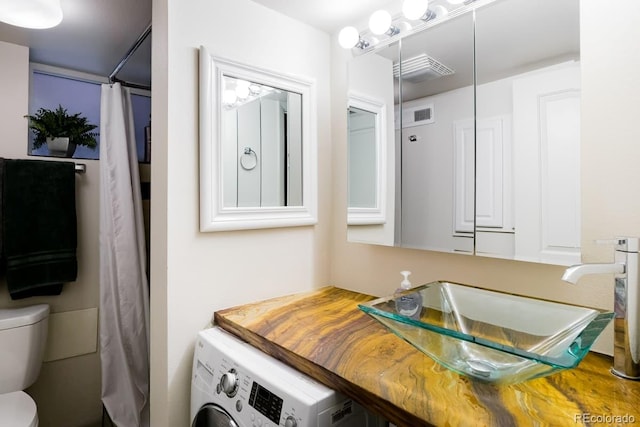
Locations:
column 421, row 68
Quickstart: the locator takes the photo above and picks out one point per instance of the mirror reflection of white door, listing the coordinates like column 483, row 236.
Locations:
column 262, row 153
column 229, row 146
column 546, row 115
column 483, row 163
column 249, row 136
column 272, row 147
column 294, row 150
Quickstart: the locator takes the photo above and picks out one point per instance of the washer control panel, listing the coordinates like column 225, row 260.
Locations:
column 265, row 402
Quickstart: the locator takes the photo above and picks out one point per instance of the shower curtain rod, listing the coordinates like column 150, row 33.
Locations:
column 131, row 85
column 126, row 57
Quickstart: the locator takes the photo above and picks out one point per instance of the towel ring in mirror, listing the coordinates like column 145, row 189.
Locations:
column 249, row 159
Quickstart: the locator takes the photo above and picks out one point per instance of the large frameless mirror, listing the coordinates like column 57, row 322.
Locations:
column 257, row 145
column 491, row 165
column 428, row 81
column 528, row 131
column 373, row 88
column 437, row 137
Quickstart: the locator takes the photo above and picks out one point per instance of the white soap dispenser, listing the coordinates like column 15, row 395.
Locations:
column 407, row 304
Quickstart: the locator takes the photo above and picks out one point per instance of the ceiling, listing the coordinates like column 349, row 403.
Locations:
column 96, row 34
column 93, row 37
column 330, row 15
column 553, row 37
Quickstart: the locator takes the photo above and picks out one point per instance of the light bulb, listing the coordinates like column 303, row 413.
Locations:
column 379, row 22
column 348, row 37
column 440, row 11
column 242, row 89
column 242, row 83
column 229, row 97
column 404, row 26
column 414, row 9
column 37, row 14
column 242, row 92
column 255, row 89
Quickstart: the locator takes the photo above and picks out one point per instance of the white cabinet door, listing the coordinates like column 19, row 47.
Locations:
column 491, row 205
column 464, row 181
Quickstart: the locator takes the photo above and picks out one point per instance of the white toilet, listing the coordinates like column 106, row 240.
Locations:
column 23, row 334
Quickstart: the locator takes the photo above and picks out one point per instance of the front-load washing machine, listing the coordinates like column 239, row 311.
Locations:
column 234, row 384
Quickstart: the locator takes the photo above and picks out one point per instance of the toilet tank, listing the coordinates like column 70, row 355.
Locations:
column 23, row 335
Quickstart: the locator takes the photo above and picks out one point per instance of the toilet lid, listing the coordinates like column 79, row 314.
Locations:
column 18, row 409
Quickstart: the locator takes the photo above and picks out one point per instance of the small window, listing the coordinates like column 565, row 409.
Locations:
column 78, row 92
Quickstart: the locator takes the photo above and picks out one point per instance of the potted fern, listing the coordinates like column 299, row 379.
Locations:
column 61, row 131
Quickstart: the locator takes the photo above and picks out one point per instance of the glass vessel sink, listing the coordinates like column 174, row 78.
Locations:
column 492, row 336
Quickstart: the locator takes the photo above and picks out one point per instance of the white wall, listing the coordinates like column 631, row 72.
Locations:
column 610, row 176
column 610, row 131
column 194, row 273
column 14, row 79
column 67, row 391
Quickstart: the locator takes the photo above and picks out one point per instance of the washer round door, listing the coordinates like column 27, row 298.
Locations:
column 212, row 415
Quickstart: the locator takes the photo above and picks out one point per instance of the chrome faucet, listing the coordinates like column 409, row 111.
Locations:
column 575, row 272
column 626, row 324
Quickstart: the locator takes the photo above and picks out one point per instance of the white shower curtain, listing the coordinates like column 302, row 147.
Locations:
column 124, row 292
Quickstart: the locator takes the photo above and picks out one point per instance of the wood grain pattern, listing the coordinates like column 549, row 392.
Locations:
column 324, row 334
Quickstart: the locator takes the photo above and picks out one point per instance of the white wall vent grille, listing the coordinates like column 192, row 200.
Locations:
column 416, row 116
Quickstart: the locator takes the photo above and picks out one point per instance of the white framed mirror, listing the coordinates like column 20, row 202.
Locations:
column 367, row 160
column 257, row 147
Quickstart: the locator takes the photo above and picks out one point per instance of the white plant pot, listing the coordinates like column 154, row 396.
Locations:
column 60, row 147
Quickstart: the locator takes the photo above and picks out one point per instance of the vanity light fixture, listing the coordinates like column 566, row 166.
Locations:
column 415, row 14
column 37, row 14
column 382, row 24
column 237, row 92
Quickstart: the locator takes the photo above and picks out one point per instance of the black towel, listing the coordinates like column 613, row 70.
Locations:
column 39, row 226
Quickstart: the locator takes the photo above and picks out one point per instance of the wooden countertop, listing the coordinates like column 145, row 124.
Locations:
column 323, row 334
